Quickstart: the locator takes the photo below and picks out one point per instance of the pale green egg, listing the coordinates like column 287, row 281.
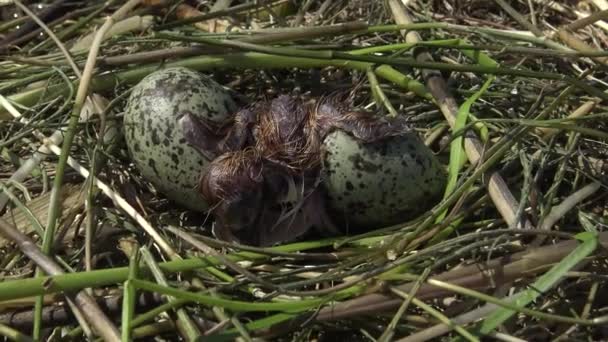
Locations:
column 373, row 185
column 156, row 141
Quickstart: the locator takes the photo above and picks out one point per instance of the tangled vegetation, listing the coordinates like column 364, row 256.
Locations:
column 509, row 95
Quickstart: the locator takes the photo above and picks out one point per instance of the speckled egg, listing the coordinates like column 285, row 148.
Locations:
column 156, row 141
column 374, row 185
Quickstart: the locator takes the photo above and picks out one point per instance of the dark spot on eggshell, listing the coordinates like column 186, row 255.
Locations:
column 349, row 186
column 359, row 163
column 152, row 164
column 155, row 138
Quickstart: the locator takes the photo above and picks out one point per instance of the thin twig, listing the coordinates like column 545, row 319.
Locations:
column 230, row 10
column 81, row 95
column 186, row 326
column 589, row 20
column 519, row 18
column 49, row 146
column 558, row 211
column 42, row 153
column 301, row 12
column 52, row 35
column 89, row 308
column 212, row 252
column 389, row 332
column 499, row 270
column 443, row 328
column 581, row 111
column 574, row 42
column 438, row 315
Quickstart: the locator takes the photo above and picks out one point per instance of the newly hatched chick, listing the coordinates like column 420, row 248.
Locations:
column 263, row 183
column 269, row 172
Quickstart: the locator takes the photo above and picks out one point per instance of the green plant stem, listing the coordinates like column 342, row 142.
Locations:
column 26, row 80
column 408, row 62
column 142, row 318
column 130, row 297
column 51, row 34
column 188, row 329
column 389, row 332
column 505, row 34
column 81, row 95
column 236, row 60
column 494, row 154
column 379, row 95
column 242, row 61
column 437, row 314
column 295, row 305
column 470, row 29
column 513, row 49
column 75, row 281
column 13, row 334
column 404, row 46
column 543, row 283
column 254, row 60
column 490, row 299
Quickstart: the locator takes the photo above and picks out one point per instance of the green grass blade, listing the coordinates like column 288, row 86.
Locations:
column 543, row 283
column 21, row 206
column 14, row 335
column 457, row 153
column 129, row 299
column 259, row 324
column 487, row 61
column 478, row 56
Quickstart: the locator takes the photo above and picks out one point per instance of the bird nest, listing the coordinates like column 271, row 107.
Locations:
column 510, row 97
